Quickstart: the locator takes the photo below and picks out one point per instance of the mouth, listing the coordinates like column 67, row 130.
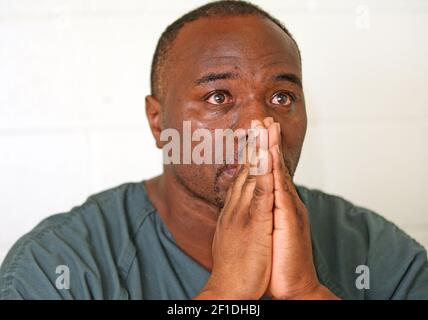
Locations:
column 229, row 170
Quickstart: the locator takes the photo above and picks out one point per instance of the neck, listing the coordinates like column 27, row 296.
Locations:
column 192, row 221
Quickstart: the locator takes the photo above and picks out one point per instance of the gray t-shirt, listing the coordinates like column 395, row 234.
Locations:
column 115, row 246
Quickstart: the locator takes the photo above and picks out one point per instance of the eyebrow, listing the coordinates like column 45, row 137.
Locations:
column 213, row 76
column 290, row 77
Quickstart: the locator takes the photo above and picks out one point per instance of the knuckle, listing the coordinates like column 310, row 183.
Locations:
column 249, row 182
column 259, row 192
column 251, row 178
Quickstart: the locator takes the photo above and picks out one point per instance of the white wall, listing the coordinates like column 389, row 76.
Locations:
column 74, row 73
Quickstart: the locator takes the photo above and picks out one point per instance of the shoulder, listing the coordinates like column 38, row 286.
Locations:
column 347, row 236
column 93, row 242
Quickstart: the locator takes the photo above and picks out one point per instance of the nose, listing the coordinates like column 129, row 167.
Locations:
column 246, row 114
column 253, row 110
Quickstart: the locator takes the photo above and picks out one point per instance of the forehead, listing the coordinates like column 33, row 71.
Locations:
column 248, row 42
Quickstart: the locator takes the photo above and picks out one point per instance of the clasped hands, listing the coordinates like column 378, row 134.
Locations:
column 262, row 243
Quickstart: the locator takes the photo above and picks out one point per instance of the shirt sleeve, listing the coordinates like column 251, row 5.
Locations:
column 398, row 264
column 65, row 260
column 361, row 255
column 49, row 270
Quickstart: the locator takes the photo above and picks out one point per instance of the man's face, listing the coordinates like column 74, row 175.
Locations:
column 225, row 72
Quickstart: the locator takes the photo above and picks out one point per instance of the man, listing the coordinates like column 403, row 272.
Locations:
column 218, row 231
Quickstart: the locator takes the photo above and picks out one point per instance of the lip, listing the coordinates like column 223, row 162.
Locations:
column 229, row 170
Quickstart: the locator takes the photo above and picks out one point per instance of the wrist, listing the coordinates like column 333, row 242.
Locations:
column 222, row 295
column 211, row 291
column 316, row 292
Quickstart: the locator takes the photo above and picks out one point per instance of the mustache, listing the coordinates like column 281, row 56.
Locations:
column 239, row 151
column 226, row 166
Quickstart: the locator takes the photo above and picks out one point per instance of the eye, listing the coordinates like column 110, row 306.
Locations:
column 218, row 97
column 282, row 98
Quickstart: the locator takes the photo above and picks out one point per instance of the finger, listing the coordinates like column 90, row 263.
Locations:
column 279, row 169
column 278, row 164
column 267, row 121
column 281, row 173
column 286, row 172
column 259, row 158
column 286, row 213
column 255, row 140
column 228, row 195
column 274, row 134
column 243, row 205
column 262, row 201
column 250, row 183
column 238, row 183
column 234, row 192
column 289, row 209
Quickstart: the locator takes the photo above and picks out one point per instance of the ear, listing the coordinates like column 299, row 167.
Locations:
column 154, row 115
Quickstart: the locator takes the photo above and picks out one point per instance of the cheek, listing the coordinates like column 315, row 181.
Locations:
column 196, row 174
column 293, row 132
column 202, row 181
column 295, row 127
column 293, row 135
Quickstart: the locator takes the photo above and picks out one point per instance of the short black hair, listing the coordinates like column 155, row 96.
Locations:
column 213, row 9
